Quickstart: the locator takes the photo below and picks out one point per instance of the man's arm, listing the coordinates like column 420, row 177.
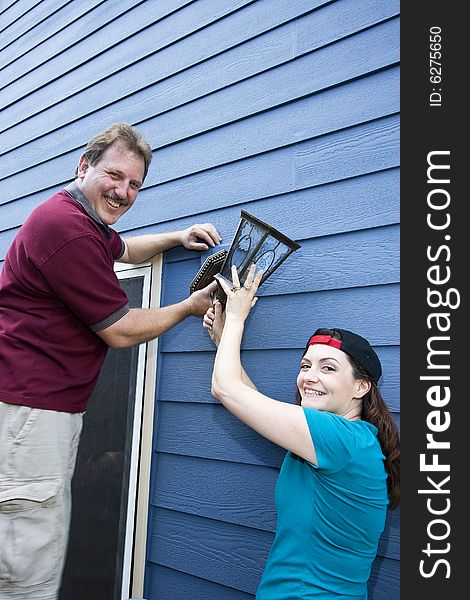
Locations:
column 197, row 237
column 141, row 325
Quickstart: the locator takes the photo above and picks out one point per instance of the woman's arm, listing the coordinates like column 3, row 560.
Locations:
column 280, row 422
column 214, row 321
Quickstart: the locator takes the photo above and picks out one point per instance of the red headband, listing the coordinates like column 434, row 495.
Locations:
column 324, row 339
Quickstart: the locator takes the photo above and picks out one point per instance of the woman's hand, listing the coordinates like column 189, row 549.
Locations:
column 214, row 321
column 241, row 299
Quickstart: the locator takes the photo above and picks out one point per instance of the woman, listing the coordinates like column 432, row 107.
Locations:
column 342, row 465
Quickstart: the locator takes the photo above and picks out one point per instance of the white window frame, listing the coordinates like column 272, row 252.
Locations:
column 141, row 450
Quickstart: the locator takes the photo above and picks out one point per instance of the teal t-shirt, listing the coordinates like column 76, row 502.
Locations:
column 329, row 516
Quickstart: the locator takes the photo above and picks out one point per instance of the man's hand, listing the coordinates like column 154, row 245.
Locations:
column 200, row 237
column 214, row 321
column 200, row 301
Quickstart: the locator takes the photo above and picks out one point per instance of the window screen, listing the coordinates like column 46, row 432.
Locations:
column 100, row 485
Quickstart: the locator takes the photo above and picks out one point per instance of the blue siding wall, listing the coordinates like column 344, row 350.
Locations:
column 286, row 108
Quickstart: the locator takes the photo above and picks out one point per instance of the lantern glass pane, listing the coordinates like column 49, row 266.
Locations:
column 271, row 253
column 242, row 250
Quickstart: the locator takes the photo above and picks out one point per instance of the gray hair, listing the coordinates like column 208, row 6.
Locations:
column 118, row 133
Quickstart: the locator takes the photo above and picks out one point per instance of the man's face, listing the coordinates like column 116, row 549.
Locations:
column 112, row 184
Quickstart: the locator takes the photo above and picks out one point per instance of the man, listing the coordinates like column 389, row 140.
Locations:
column 61, row 307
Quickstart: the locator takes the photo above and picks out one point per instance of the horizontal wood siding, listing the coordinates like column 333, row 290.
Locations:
column 286, row 108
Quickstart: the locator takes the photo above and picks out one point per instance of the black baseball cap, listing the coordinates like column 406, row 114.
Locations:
column 355, row 346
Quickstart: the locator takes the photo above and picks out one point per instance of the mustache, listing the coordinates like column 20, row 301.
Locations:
column 116, row 198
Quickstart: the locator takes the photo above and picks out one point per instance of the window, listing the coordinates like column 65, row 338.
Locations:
column 110, row 486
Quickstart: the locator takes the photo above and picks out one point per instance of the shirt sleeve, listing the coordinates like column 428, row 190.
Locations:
column 81, row 275
column 116, row 244
column 332, row 437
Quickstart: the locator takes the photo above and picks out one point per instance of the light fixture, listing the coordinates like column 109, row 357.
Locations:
column 254, row 242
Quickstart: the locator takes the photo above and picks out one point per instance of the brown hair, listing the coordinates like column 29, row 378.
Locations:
column 375, row 411
column 119, row 133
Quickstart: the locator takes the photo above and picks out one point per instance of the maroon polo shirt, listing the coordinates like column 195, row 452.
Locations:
column 57, row 288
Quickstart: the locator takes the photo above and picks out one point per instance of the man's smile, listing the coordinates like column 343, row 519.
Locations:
column 114, row 201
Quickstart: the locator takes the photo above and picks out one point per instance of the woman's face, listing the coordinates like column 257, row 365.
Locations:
column 326, row 382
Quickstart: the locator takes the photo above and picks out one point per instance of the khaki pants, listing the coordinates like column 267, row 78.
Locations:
column 38, row 449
